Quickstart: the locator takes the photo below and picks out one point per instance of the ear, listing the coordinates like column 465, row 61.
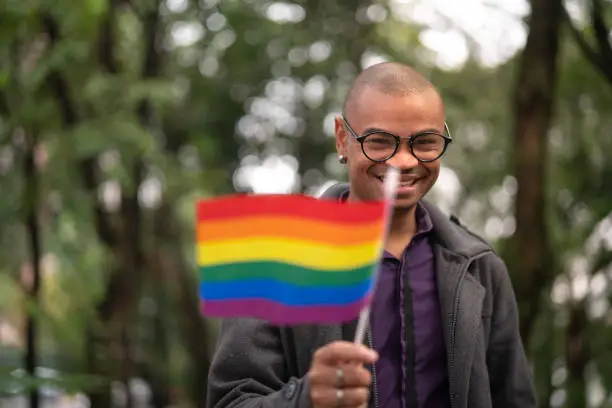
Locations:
column 341, row 136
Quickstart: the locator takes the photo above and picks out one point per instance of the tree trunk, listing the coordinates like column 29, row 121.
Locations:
column 544, row 353
column 30, row 204
column 576, row 356
column 155, row 366
column 530, row 258
column 195, row 331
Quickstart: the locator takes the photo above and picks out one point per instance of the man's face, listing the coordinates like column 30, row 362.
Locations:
column 403, row 116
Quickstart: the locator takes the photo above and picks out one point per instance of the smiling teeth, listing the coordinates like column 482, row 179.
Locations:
column 407, row 183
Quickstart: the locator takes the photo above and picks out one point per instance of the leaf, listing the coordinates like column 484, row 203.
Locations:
column 4, row 77
column 96, row 8
column 160, row 91
column 18, row 382
column 10, row 293
column 88, row 139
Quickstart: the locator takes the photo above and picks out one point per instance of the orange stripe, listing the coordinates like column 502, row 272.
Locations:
column 290, row 228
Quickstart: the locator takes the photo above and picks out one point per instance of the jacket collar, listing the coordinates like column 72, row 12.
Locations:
column 449, row 233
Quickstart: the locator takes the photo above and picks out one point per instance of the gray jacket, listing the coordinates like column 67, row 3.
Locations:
column 258, row 365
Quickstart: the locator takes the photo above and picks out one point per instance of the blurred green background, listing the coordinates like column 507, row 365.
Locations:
column 116, row 115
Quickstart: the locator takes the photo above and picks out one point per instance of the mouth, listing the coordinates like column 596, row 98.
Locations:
column 405, row 182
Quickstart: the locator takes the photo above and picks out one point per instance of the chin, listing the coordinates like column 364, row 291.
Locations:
column 404, row 204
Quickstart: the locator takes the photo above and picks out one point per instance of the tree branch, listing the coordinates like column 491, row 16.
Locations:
column 152, row 63
column 600, row 60
column 586, row 48
column 106, row 40
column 601, row 33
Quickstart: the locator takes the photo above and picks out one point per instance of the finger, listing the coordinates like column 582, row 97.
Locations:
column 349, row 397
column 352, row 375
column 340, row 351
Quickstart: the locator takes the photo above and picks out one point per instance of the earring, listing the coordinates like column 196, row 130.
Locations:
column 342, row 159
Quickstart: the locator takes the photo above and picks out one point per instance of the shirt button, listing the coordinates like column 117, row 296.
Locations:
column 290, row 388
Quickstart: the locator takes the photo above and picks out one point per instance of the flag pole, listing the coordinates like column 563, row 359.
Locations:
column 390, row 188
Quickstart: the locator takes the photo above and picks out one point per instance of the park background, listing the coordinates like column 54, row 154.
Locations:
column 117, row 115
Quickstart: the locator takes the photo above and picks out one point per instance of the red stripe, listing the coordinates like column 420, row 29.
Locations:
column 299, row 206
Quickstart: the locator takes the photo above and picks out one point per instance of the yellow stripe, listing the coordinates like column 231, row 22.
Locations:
column 302, row 253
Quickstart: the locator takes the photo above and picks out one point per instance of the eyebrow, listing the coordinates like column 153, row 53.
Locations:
column 375, row 130
column 372, row 130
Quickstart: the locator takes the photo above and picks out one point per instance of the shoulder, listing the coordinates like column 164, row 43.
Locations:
column 464, row 229
column 487, row 266
column 491, row 259
column 452, row 235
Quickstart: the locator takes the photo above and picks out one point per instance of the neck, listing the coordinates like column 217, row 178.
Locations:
column 403, row 224
column 401, row 231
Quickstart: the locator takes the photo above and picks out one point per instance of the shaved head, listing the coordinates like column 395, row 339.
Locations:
column 391, row 78
column 389, row 99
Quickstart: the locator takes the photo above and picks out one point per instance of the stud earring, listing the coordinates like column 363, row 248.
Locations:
column 342, row 159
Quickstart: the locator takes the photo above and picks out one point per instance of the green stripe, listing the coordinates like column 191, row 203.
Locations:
column 288, row 273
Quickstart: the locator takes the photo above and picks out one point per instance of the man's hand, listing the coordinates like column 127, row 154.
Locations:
column 338, row 377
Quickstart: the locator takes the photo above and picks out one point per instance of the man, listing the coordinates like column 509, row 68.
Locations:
column 443, row 328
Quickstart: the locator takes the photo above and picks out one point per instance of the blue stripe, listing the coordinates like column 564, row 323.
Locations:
column 285, row 293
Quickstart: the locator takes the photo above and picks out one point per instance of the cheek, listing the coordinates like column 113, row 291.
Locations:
column 432, row 173
column 358, row 163
column 433, row 169
column 360, row 173
column 358, row 169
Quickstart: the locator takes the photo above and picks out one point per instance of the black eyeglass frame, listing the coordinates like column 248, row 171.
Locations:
column 361, row 138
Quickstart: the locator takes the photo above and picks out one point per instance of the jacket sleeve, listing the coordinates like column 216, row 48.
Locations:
column 249, row 370
column 509, row 371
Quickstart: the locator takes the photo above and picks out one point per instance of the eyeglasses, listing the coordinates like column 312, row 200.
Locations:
column 379, row 145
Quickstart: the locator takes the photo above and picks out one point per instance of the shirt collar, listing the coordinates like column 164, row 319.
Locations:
column 423, row 220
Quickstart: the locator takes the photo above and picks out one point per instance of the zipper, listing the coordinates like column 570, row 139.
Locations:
column 451, row 359
column 374, row 386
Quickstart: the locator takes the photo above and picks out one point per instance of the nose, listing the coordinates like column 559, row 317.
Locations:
column 403, row 158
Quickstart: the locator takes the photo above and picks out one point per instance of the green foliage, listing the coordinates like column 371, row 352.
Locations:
column 19, row 383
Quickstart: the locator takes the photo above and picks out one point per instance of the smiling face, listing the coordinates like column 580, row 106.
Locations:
column 403, row 116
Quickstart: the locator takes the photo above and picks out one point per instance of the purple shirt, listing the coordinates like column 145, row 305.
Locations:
column 388, row 323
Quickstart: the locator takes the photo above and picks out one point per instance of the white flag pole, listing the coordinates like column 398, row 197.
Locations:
column 390, row 188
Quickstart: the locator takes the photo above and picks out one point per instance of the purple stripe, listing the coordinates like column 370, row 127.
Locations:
column 279, row 314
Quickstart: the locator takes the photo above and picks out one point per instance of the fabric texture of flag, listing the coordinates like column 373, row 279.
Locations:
column 287, row 259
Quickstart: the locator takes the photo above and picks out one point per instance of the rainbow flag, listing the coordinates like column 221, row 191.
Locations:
column 287, row 259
